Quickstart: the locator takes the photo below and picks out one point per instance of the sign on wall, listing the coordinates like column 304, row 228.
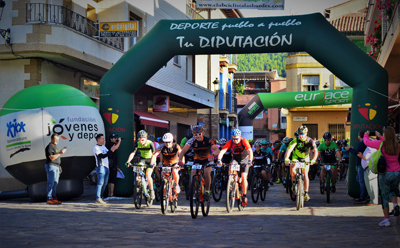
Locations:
column 160, row 103
column 241, row 4
column 297, row 118
column 118, row 29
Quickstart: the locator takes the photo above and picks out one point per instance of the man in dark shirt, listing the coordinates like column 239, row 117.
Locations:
column 113, row 163
column 53, row 168
column 360, row 171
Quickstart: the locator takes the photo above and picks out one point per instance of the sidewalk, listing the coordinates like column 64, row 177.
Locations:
column 273, row 223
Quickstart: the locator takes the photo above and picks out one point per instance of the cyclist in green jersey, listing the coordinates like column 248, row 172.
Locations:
column 146, row 149
column 328, row 150
column 301, row 147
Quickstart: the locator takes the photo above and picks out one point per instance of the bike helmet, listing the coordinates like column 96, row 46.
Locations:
column 197, row 129
column 152, row 138
column 317, row 143
column 222, row 141
column 236, row 132
column 158, row 139
column 257, row 143
column 302, row 129
column 168, row 137
column 286, row 140
column 264, row 142
column 250, row 140
column 142, row 134
column 344, row 142
column 189, row 134
column 327, row 136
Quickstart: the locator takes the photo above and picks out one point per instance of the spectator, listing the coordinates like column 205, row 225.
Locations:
column 101, row 154
column 370, row 179
column 389, row 181
column 53, row 168
column 113, row 163
column 360, row 171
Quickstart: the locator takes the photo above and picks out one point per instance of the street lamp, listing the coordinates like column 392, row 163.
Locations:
column 216, row 84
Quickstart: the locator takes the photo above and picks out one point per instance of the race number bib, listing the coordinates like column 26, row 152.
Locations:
column 235, row 167
column 166, row 169
column 299, row 165
column 197, row 167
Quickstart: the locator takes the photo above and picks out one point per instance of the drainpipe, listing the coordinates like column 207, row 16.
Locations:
column 209, row 77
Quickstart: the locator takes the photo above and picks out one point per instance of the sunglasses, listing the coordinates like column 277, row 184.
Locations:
column 197, row 134
column 236, row 138
column 168, row 142
column 302, row 134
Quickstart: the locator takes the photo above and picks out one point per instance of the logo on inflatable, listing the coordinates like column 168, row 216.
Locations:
column 367, row 113
column 326, row 97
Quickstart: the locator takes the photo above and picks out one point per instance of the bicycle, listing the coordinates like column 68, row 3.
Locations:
column 140, row 186
column 197, row 192
column 220, row 179
column 258, row 185
column 233, row 189
column 169, row 197
column 312, row 172
column 327, row 187
column 156, row 185
column 274, row 168
column 299, row 185
column 184, row 178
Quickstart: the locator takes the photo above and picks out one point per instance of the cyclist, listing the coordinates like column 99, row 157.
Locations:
column 169, row 155
column 242, row 154
column 227, row 157
column 261, row 158
column 146, row 149
column 281, row 156
column 188, row 135
column 301, row 147
column 329, row 155
column 202, row 150
column 345, row 156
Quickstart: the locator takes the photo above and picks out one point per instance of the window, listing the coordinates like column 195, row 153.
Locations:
column 339, row 84
column 133, row 40
column 259, row 85
column 176, row 60
column 310, row 82
column 91, row 88
column 337, row 131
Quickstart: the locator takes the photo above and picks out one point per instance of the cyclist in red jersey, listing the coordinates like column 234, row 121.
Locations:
column 241, row 154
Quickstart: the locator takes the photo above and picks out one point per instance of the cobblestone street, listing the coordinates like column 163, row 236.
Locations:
column 273, row 223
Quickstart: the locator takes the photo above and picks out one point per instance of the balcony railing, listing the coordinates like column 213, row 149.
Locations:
column 60, row 15
column 192, row 13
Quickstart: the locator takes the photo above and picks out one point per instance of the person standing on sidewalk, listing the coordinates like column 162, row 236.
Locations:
column 388, row 181
column 360, row 171
column 113, row 163
column 101, row 154
column 53, row 168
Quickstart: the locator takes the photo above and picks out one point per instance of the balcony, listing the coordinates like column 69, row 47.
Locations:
column 193, row 13
column 40, row 13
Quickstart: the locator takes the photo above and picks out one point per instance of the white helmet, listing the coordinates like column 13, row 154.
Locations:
column 168, row 137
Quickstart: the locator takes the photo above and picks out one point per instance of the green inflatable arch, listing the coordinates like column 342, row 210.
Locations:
column 310, row 33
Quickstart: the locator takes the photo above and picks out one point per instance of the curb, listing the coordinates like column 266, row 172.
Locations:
column 398, row 226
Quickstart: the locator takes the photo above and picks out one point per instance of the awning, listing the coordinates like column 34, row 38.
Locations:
column 151, row 120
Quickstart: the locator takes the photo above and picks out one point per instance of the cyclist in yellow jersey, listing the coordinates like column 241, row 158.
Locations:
column 146, row 149
column 301, row 147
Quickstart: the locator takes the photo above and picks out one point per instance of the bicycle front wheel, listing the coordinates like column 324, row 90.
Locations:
column 230, row 194
column 217, row 187
column 137, row 194
column 164, row 197
column 328, row 187
column 299, row 193
column 263, row 188
column 254, row 188
column 194, row 197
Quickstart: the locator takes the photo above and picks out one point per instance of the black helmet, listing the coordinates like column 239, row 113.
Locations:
column 302, row 129
column 189, row 134
column 142, row 134
column 152, row 138
column 327, row 136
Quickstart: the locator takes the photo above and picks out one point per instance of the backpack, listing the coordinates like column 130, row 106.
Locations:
column 377, row 163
